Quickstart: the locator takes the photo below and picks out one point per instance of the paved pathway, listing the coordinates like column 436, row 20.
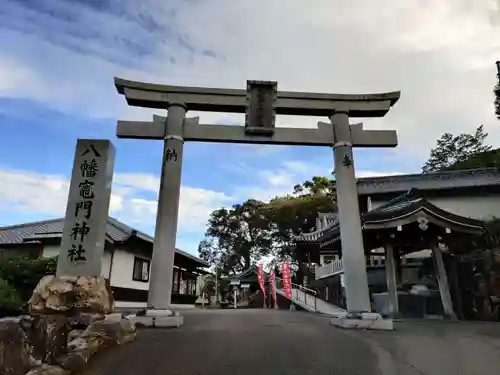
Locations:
column 242, row 342
column 262, row 342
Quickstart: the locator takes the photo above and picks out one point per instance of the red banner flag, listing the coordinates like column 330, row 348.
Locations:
column 273, row 289
column 287, row 282
column 260, row 277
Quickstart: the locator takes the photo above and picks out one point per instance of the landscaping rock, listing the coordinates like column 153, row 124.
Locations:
column 73, row 296
column 90, row 343
column 74, row 362
column 94, row 295
column 26, row 321
column 113, row 332
column 14, row 349
column 83, row 320
column 115, row 317
column 74, row 334
column 47, row 370
column 48, row 336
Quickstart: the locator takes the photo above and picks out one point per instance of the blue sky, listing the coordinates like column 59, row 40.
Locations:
column 59, row 57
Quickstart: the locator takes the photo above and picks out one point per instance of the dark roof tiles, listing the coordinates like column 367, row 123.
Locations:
column 118, row 231
column 429, row 181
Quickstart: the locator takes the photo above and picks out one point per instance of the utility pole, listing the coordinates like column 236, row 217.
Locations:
column 496, row 92
column 217, row 299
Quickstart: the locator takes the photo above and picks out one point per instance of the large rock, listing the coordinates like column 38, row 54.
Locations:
column 109, row 332
column 75, row 362
column 90, row 343
column 112, row 331
column 45, row 369
column 81, row 320
column 48, row 336
column 14, row 349
column 72, row 296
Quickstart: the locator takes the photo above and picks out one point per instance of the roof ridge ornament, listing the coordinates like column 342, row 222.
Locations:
column 423, row 223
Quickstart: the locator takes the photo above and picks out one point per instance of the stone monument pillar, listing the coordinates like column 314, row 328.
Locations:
column 84, row 232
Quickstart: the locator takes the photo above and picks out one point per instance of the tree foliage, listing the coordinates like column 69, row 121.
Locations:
column 11, row 303
column 24, row 274
column 18, row 278
column 238, row 237
column 455, row 152
column 317, row 186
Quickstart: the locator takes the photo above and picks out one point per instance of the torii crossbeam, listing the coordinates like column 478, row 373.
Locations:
column 261, row 102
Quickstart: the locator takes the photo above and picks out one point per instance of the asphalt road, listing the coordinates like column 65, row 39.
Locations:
column 243, row 342
column 275, row 342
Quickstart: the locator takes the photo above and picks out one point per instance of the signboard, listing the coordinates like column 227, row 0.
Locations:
column 260, row 115
column 287, row 282
column 260, row 278
column 234, row 282
column 245, row 286
column 273, row 289
column 84, row 231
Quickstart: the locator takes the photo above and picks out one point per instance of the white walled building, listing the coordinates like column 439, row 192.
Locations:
column 469, row 194
column 126, row 260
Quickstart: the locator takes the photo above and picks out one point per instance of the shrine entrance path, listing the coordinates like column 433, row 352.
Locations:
column 262, row 342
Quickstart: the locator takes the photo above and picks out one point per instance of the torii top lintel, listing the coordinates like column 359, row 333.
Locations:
column 150, row 95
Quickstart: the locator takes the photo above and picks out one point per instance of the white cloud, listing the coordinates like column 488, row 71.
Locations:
column 195, row 206
column 279, row 181
column 439, row 53
column 34, row 193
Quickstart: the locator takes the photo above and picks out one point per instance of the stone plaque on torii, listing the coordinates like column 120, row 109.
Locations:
column 260, row 103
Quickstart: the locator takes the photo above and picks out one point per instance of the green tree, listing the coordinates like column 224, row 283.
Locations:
column 451, row 151
column 11, row 303
column 486, row 159
column 316, row 186
column 236, row 237
column 24, row 274
column 291, row 215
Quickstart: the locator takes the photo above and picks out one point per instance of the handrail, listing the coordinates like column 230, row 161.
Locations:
column 299, row 286
column 305, row 291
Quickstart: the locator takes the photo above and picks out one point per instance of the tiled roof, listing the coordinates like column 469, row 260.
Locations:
column 245, row 273
column 118, row 231
column 397, row 208
column 429, row 181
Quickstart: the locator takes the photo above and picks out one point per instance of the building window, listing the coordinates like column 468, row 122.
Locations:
column 141, row 269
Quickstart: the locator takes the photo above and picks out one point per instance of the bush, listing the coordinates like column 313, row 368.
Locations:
column 24, row 274
column 10, row 301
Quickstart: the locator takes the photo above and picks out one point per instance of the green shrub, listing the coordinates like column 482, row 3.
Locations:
column 10, row 301
column 24, row 274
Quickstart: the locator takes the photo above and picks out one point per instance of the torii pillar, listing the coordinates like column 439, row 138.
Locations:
column 260, row 102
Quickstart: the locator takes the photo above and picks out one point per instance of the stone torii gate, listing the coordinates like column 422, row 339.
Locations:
column 260, row 102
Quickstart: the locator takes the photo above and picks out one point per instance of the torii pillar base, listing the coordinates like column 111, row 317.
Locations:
column 157, row 319
column 366, row 320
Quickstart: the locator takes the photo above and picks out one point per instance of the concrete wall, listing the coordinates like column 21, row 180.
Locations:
column 50, row 251
column 123, row 269
column 481, row 207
